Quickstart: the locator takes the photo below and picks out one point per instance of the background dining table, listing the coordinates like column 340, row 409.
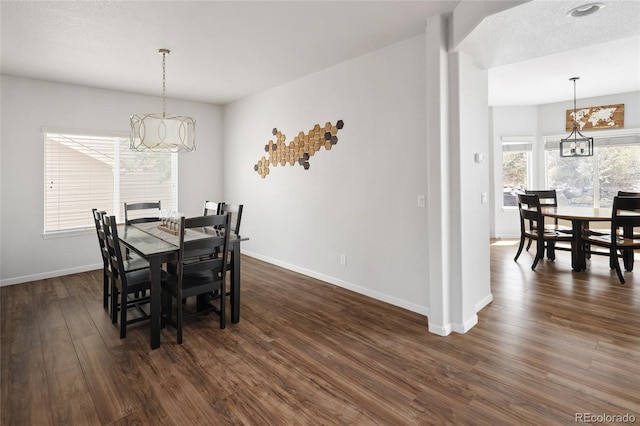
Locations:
column 579, row 218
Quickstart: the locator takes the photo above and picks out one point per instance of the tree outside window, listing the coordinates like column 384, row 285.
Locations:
column 594, row 181
column 516, row 167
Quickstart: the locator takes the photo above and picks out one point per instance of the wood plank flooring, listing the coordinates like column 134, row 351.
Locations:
column 552, row 344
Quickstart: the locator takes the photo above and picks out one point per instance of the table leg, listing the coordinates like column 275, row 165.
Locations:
column 235, row 283
column 155, row 275
column 578, row 256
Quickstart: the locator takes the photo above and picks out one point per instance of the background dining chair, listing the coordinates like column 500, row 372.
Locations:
column 198, row 274
column 124, row 283
column 151, row 212
column 146, row 211
column 604, row 231
column 630, row 194
column 549, row 198
column 211, row 207
column 625, row 229
column 532, row 227
column 235, row 211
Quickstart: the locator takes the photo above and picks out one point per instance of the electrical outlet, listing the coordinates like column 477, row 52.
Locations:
column 343, row 259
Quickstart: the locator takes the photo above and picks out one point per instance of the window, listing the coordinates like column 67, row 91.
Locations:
column 85, row 172
column 516, row 167
column 594, row 181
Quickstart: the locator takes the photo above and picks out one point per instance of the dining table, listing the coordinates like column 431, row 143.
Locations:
column 579, row 218
column 158, row 246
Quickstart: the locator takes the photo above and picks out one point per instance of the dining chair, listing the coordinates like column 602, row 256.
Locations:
column 532, row 227
column 144, row 217
column 625, row 231
column 549, row 198
column 102, row 241
column 125, row 284
column 604, row 231
column 201, row 272
column 235, row 211
column 630, row 194
column 130, row 264
column 211, row 207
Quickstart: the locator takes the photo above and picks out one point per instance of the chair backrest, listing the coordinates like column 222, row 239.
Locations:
column 98, row 219
column 116, row 260
column 203, row 255
column 530, row 213
column 548, row 197
column 628, row 194
column 625, row 213
column 144, row 217
column 235, row 211
column 211, row 207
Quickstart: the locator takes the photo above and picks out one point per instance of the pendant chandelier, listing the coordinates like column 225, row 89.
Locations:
column 162, row 132
column 576, row 144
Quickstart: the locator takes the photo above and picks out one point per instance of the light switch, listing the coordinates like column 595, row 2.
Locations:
column 484, row 198
column 422, row 201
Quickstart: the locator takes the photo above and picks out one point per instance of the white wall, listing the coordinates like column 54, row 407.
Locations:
column 30, row 105
column 540, row 121
column 510, row 121
column 470, row 213
column 360, row 198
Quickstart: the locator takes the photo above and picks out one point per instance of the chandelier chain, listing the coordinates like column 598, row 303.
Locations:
column 575, row 121
column 164, row 86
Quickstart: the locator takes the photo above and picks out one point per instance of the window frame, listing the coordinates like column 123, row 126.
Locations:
column 525, row 143
column 116, row 202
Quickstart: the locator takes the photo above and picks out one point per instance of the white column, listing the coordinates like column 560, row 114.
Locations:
column 438, row 175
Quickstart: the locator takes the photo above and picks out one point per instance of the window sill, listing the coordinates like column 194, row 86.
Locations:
column 68, row 234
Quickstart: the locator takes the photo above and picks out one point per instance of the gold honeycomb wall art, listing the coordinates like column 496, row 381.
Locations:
column 300, row 149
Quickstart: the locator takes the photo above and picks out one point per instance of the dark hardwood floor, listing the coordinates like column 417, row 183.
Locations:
column 552, row 344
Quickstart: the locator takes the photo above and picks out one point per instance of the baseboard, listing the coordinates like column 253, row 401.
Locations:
column 422, row 310
column 50, row 274
column 484, row 302
column 440, row 330
column 466, row 326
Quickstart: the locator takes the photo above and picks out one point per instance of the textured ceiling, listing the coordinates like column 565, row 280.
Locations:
column 225, row 50
column 532, row 50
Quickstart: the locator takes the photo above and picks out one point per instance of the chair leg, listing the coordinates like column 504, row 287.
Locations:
column 520, row 248
column 114, row 304
column 539, row 253
column 123, row 314
column 551, row 250
column 529, row 244
column 223, row 304
column 613, row 255
column 105, row 289
column 179, row 321
column 166, row 309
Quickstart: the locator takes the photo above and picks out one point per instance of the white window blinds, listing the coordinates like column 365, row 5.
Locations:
column 85, row 172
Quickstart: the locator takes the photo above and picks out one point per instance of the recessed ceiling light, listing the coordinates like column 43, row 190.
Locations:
column 585, row 9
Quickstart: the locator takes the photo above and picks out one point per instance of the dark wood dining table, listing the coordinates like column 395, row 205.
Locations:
column 150, row 243
column 579, row 218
